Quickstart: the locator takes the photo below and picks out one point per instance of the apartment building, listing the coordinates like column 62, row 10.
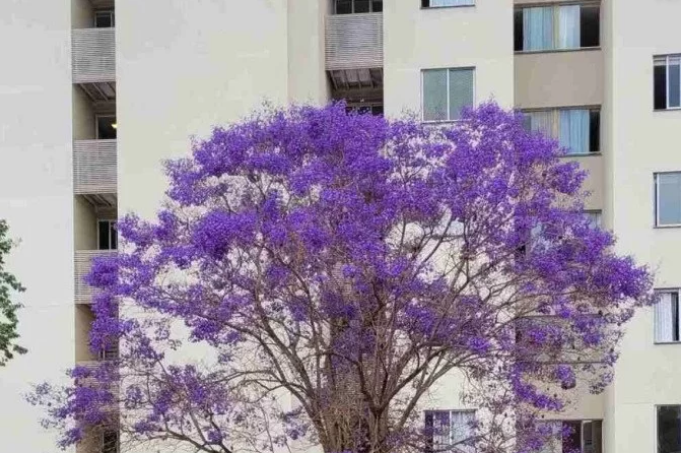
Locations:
column 95, row 93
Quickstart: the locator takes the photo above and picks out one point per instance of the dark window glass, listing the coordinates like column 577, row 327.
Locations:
column 594, row 131
column 362, row 6
column 590, row 26
column 669, row 429
column 104, row 19
column 106, row 127
column 518, row 30
column 377, row 6
column 425, row 3
column 343, row 6
column 110, row 442
column 660, row 87
column 104, row 236
column 572, row 436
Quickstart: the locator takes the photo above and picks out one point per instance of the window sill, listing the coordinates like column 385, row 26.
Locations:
column 672, row 109
column 578, row 49
column 440, row 122
column 594, row 154
column 667, row 343
column 447, row 7
column 668, row 227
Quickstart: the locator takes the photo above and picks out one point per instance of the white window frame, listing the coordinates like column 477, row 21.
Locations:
column 449, row 68
column 450, row 433
column 112, row 229
column 657, row 200
column 676, row 291
column 666, row 81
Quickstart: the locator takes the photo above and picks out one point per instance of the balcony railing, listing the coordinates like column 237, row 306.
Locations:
column 82, row 265
column 94, row 55
column 94, row 167
column 354, row 41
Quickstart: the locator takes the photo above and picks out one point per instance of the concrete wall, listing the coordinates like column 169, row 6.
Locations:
column 84, row 127
column 559, row 79
column 84, row 317
column 644, row 142
column 36, row 199
column 417, row 39
column 84, row 225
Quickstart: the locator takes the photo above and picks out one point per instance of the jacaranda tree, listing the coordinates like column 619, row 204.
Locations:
column 9, row 288
column 313, row 274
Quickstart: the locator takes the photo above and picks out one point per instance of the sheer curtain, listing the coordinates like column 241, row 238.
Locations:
column 574, row 131
column 668, row 198
column 674, row 76
column 569, row 30
column 462, row 430
column 538, row 28
column 461, row 83
column 434, row 3
column 541, row 121
column 664, row 318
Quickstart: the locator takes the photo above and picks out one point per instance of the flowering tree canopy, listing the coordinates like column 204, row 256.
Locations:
column 313, row 274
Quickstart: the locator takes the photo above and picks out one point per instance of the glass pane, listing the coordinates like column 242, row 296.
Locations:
column 538, row 28
column 542, row 121
column 574, row 132
column 377, row 6
column 569, row 29
column 343, row 6
column 104, row 236
column 362, row 6
column 669, row 429
column 435, row 95
column 104, row 19
column 572, row 436
column 660, row 86
column 594, row 218
column 594, row 131
column 114, row 236
column 460, row 91
column 674, row 82
column 106, row 127
column 669, row 198
column 590, row 26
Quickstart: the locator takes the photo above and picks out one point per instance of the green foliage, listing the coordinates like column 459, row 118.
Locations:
column 9, row 286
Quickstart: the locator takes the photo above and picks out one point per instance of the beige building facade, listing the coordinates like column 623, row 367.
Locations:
column 95, row 94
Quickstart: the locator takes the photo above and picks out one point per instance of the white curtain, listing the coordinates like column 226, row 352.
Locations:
column 569, row 30
column 434, row 3
column 664, row 318
column 462, row 430
column 538, row 28
column 441, row 429
column 542, row 122
column 574, row 131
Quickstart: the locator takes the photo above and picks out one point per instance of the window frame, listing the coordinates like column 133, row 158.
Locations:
column 448, row 69
column 678, row 310
column 582, row 422
column 110, row 12
column 112, row 231
column 423, row 5
column 555, row 125
column 656, row 195
column 430, row 437
column 104, row 115
column 666, row 81
column 556, row 21
column 352, row 8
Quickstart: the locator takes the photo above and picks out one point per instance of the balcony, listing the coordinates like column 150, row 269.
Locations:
column 94, row 167
column 354, row 41
column 82, row 265
column 94, row 55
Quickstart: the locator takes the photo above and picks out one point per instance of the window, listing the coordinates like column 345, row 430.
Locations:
column 667, row 317
column 442, row 3
column 583, row 436
column 557, row 27
column 595, row 218
column 110, row 441
column 370, row 108
column 448, row 428
column 104, row 19
column 446, row 92
column 358, row 6
column 106, row 127
column 577, row 130
column 668, row 429
column 668, row 199
column 667, row 82
column 107, row 238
